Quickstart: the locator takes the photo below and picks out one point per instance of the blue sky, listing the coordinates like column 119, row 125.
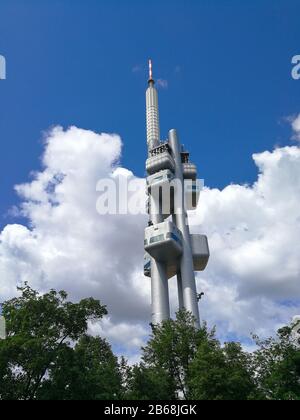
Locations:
column 83, row 63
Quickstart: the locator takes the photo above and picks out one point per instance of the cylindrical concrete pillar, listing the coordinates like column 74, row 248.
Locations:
column 189, row 291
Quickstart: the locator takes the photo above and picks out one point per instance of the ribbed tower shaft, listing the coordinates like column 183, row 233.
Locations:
column 152, row 116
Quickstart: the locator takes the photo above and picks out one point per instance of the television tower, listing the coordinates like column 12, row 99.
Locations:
column 172, row 189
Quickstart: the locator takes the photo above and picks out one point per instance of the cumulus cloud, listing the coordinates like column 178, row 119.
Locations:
column 67, row 244
column 296, row 127
column 127, row 338
column 163, row 83
column 252, row 280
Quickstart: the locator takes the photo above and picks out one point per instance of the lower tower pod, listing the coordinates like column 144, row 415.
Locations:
column 163, row 241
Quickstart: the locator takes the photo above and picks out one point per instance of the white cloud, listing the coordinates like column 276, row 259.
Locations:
column 137, row 68
column 162, row 83
column 296, row 127
column 251, row 283
column 130, row 336
column 68, row 244
column 252, row 280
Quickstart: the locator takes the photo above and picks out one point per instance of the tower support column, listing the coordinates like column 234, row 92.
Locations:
column 159, row 282
column 189, row 291
column 159, row 293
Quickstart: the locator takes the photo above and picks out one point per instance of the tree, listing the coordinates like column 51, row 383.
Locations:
column 277, row 366
column 40, row 331
column 148, row 383
column 171, row 348
column 193, row 363
column 48, row 355
column 89, row 372
column 221, row 373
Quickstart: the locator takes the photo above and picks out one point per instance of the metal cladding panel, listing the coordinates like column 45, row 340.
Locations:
column 192, row 193
column 152, row 115
column 200, row 251
column 171, row 267
column 186, row 284
column 165, row 212
column 189, row 171
column 163, row 242
column 162, row 228
column 159, row 188
column 160, row 178
column 165, row 250
column 159, row 162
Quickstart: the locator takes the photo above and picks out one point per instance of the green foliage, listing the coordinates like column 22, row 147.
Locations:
column 221, row 373
column 48, row 355
column 148, row 383
column 277, row 366
column 192, row 363
column 41, row 330
column 180, row 361
column 89, row 372
column 171, row 348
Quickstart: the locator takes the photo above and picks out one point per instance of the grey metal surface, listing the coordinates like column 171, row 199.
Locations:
column 159, row 292
column 153, row 134
column 170, row 249
column 200, row 251
column 189, row 291
column 172, row 267
column 163, row 241
column 159, row 163
column 189, row 171
column 159, row 286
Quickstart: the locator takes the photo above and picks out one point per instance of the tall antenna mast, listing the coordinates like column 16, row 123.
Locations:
column 152, row 115
column 150, row 71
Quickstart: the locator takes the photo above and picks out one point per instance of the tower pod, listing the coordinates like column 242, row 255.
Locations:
column 171, row 267
column 201, row 254
column 159, row 159
column 189, row 171
column 163, row 241
column 159, row 186
column 159, row 179
column 200, row 251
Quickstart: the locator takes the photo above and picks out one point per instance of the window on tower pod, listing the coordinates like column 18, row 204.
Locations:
column 157, row 238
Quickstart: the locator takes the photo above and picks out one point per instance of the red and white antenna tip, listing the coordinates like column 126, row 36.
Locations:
column 150, row 70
